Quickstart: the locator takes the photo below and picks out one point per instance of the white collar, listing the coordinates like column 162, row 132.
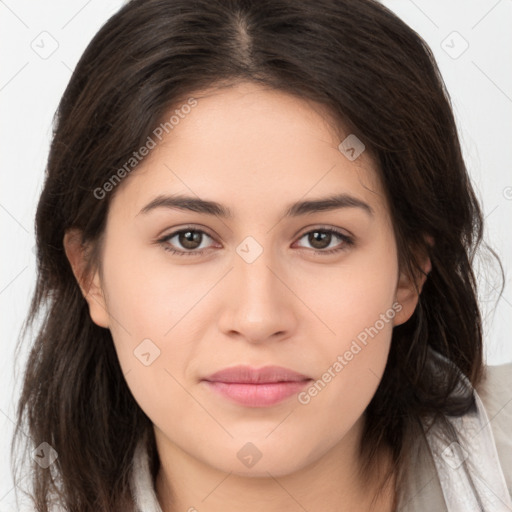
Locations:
column 142, row 485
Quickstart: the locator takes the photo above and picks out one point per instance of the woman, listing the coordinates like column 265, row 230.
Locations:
column 255, row 243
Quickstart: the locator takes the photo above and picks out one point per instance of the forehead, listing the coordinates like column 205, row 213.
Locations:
column 254, row 148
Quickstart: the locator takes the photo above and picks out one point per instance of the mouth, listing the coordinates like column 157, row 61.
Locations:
column 252, row 387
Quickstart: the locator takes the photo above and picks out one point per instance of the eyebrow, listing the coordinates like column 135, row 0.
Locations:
column 195, row 204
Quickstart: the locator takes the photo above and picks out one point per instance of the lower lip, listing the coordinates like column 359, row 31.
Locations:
column 257, row 395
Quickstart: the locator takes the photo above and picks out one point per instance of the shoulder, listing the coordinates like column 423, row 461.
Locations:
column 495, row 391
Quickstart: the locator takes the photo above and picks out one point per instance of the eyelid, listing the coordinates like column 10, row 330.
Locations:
column 176, row 231
column 347, row 239
column 191, row 227
column 303, row 231
column 320, row 227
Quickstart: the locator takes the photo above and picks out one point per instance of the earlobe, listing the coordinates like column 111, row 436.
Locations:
column 408, row 291
column 89, row 285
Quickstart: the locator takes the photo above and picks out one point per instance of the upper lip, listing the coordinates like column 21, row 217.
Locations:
column 249, row 375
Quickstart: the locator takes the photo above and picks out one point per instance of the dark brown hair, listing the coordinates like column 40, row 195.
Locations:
column 374, row 74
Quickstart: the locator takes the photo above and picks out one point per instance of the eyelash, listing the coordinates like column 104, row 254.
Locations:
column 347, row 241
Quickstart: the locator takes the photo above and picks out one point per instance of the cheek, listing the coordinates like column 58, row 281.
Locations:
column 351, row 297
column 350, row 372
column 357, row 304
column 152, row 309
column 149, row 296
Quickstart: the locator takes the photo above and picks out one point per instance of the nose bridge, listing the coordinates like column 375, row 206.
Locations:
column 255, row 271
column 258, row 306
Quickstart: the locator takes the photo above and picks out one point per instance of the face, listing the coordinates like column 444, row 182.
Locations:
column 316, row 290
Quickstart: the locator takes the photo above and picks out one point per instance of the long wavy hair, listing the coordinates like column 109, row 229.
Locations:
column 377, row 77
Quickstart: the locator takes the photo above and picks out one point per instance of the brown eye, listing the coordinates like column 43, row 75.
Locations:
column 320, row 240
column 190, row 239
column 185, row 242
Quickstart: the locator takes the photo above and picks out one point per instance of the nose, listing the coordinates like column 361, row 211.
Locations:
column 259, row 303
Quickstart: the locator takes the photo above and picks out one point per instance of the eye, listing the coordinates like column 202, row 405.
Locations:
column 321, row 239
column 190, row 239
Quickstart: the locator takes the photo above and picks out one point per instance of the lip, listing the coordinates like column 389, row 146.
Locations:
column 257, row 387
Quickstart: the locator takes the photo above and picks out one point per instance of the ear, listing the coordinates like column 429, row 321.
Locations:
column 408, row 291
column 92, row 291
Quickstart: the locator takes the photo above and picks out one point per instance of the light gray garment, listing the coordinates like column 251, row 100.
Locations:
column 472, row 473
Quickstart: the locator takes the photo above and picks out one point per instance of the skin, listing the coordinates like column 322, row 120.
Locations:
column 256, row 151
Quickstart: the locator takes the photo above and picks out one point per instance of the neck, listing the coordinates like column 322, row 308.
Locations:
column 331, row 482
